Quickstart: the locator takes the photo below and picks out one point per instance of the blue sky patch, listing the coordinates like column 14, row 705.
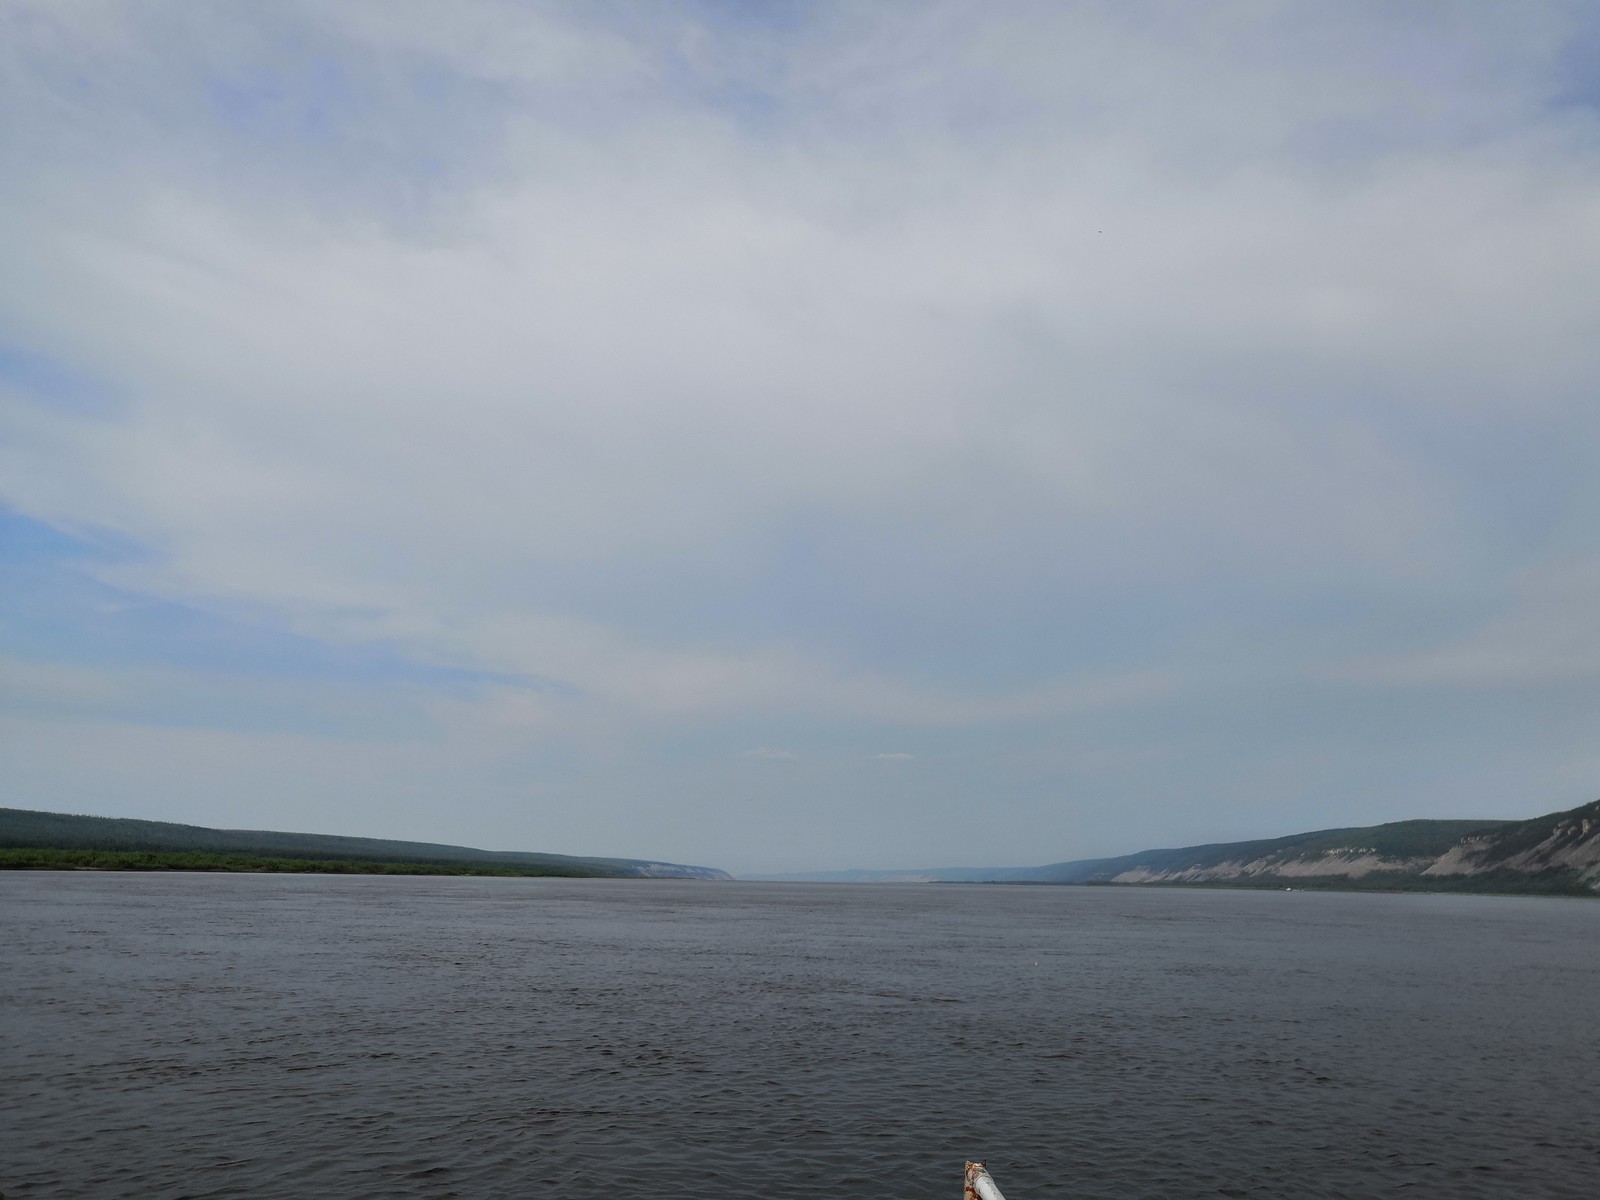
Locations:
column 46, row 381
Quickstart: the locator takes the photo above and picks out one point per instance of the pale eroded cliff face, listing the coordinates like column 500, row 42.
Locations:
column 1562, row 848
column 1340, row 864
column 1572, row 844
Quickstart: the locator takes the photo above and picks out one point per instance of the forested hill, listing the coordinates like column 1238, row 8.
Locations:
column 25, row 829
column 1556, row 853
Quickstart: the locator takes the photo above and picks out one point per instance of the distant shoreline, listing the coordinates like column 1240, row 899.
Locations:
column 1401, row 886
column 34, row 840
column 1557, row 854
column 147, row 860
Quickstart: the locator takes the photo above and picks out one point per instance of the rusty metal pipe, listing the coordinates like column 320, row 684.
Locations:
column 980, row 1184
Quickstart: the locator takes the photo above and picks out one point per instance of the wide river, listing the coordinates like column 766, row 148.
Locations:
column 188, row 1035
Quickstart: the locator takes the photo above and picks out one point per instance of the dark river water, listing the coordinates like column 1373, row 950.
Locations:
column 237, row 1035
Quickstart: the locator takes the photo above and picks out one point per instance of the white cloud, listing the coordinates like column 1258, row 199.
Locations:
column 927, row 366
column 53, row 685
column 1549, row 636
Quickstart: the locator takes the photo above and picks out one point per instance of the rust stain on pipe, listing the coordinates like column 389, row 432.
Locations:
column 980, row 1184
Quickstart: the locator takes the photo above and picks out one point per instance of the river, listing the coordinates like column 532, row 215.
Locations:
column 196, row 1035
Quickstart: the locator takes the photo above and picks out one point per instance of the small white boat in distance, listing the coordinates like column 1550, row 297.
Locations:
column 980, row 1184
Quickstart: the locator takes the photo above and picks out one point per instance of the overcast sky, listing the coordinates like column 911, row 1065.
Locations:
column 798, row 435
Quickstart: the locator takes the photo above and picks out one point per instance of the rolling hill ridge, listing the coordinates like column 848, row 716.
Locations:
column 24, row 829
column 1556, row 853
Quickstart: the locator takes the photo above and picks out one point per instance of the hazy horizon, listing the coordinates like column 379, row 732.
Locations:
column 792, row 437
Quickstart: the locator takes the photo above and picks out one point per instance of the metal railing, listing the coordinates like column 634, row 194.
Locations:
column 980, row 1184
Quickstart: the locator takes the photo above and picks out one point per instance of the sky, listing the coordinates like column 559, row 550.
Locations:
column 787, row 436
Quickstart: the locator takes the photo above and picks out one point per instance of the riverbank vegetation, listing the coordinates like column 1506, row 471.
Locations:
column 133, row 844
column 153, row 860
